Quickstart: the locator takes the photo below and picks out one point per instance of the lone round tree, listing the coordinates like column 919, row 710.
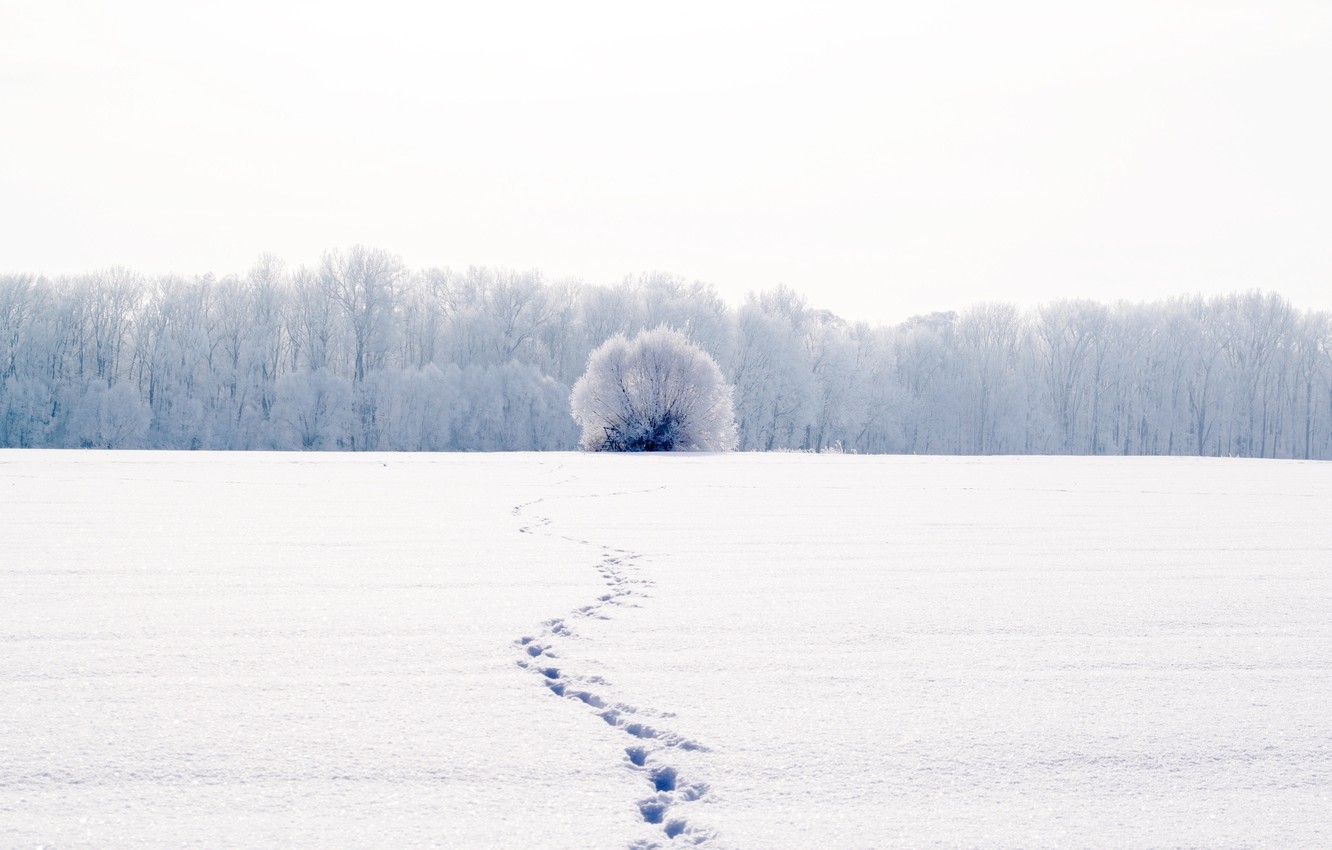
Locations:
column 656, row 392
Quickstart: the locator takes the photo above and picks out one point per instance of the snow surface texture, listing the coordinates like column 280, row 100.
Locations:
column 737, row 651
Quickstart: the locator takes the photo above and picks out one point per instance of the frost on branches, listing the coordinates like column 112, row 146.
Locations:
column 654, row 393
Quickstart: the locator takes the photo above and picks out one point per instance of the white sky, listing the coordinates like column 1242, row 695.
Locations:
column 885, row 159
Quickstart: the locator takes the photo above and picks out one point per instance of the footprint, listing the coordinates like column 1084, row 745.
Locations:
column 653, row 810
column 557, row 627
column 588, row 699
column 638, row 730
column 664, row 778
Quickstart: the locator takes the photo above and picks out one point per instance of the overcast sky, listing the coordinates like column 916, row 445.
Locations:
column 886, row 159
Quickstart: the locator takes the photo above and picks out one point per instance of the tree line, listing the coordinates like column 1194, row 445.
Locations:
column 363, row 353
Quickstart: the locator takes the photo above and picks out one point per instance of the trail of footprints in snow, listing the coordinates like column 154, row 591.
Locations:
column 649, row 752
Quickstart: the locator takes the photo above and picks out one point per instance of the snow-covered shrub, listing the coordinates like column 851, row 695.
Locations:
column 656, row 392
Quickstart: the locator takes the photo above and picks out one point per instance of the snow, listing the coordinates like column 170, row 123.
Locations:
column 739, row 651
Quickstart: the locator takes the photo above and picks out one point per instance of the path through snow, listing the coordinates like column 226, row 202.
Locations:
column 649, row 754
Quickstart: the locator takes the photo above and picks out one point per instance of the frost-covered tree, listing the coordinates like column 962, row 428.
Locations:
column 363, row 283
column 656, row 392
column 108, row 418
column 315, row 410
column 774, row 381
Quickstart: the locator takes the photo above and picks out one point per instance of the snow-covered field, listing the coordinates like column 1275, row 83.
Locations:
column 735, row 651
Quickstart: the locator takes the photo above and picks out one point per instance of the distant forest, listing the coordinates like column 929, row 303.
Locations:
column 363, row 353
